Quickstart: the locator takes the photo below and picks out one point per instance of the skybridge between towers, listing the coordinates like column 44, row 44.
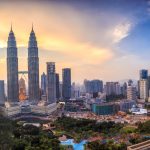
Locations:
column 23, row 73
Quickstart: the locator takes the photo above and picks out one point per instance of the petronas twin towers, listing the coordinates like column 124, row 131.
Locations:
column 12, row 68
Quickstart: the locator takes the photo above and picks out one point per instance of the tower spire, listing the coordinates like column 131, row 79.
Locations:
column 11, row 27
column 32, row 28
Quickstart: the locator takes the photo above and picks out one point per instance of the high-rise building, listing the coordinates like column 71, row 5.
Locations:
column 97, row 86
column 131, row 93
column 66, row 85
column 57, row 86
column 2, row 92
column 12, row 69
column 51, row 82
column 33, row 68
column 130, row 82
column 22, row 90
column 124, row 89
column 87, row 85
column 43, row 84
column 60, row 89
column 112, row 88
column 73, row 90
column 143, row 74
column 93, row 86
column 143, row 89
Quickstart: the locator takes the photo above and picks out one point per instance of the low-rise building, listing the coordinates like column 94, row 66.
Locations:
column 105, row 108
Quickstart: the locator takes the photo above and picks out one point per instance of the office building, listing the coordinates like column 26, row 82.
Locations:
column 43, row 84
column 93, row 86
column 12, row 69
column 87, row 85
column 51, row 82
column 126, row 105
column 131, row 93
column 57, row 86
column 143, row 74
column 66, row 85
column 33, row 68
column 73, row 90
column 60, row 90
column 97, row 86
column 124, row 89
column 112, row 88
column 143, row 88
column 2, row 92
column 105, row 108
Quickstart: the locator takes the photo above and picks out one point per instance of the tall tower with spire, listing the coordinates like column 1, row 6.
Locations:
column 12, row 68
column 33, row 68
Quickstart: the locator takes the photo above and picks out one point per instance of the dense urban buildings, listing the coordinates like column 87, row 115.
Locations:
column 112, row 88
column 33, row 68
column 51, row 82
column 2, row 92
column 12, row 69
column 43, row 83
column 66, row 83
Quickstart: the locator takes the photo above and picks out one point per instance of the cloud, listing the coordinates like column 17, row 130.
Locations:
column 71, row 36
column 121, row 31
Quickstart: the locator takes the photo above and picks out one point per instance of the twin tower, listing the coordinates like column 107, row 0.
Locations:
column 12, row 68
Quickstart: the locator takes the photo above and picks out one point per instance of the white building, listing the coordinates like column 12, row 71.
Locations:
column 143, row 88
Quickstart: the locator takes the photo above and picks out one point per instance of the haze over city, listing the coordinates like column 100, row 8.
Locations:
column 102, row 39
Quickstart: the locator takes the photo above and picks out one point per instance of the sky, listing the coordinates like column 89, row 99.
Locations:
column 97, row 39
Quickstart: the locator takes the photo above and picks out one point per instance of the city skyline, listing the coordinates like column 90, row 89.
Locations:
column 83, row 36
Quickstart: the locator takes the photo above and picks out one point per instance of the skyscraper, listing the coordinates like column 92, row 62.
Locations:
column 33, row 68
column 57, row 86
column 112, row 88
column 2, row 92
column 143, row 89
column 143, row 74
column 93, row 86
column 12, row 69
column 43, row 83
column 131, row 93
column 97, row 86
column 66, row 85
column 51, row 82
column 124, row 89
column 87, row 85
